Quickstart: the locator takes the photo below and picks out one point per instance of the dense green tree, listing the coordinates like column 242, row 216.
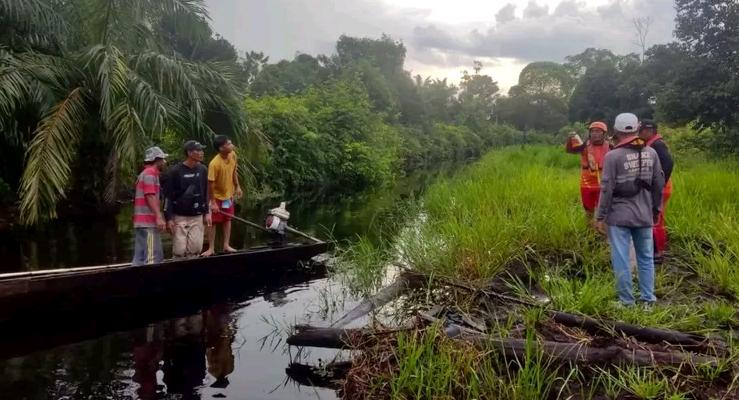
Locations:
column 607, row 84
column 439, row 99
column 477, row 97
column 388, row 56
column 289, row 77
column 708, row 31
column 327, row 136
column 86, row 84
column 539, row 101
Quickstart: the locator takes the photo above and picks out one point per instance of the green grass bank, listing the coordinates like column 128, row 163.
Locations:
column 515, row 218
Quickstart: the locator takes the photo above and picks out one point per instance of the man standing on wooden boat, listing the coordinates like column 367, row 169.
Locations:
column 147, row 217
column 186, row 208
column 592, row 153
column 630, row 201
column 223, row 181
column 648, row 133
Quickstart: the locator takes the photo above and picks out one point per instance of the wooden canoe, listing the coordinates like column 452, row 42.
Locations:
column 27, row 295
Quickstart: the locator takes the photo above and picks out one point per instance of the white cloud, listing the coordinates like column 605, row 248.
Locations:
column 443, row 37
column 533, row 10
column 506, row 14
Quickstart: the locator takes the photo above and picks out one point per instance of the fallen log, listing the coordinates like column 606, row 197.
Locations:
column 688, row 341
column 330, row 338
column 581, row 353
column 404, row 282
column 516, row 348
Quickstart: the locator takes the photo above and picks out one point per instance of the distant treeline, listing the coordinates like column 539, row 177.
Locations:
column 85, row 86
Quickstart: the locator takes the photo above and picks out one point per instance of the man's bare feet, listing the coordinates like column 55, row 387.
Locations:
column 229, row 249
column 207, row 253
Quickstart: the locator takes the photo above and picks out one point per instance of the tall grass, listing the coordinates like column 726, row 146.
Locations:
column 520, row 207
column 488, row 215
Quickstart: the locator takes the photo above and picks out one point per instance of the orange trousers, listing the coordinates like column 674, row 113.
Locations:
column 660, row 231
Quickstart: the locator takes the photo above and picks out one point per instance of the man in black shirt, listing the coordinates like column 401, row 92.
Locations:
column 648, row 132
column 186, row 202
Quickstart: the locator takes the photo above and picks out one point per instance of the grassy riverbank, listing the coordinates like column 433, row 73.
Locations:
column 515, row 218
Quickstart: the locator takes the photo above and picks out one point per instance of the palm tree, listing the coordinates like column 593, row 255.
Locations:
column 100, row 71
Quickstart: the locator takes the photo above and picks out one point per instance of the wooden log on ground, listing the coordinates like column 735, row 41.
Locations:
column 580, row 353
column 403, row 283
column 645, row 334
column 516, row 348
column 689, row 341
column 330, row 338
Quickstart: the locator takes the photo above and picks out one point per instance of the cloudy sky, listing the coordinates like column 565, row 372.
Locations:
column 443, row 37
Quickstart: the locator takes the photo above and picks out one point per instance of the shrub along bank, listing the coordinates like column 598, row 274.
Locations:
column 330, row 137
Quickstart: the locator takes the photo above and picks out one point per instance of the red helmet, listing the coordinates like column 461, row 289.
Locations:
column 599, row 125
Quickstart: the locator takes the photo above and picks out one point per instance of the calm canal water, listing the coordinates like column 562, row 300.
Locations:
column 231, row 348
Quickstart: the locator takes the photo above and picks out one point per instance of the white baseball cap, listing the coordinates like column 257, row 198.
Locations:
column 626, row 123
column 152, row 153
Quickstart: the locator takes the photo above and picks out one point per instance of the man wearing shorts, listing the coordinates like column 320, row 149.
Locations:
column 223, row 188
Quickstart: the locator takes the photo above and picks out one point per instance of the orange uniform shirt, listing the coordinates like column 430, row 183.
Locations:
column 591, row 162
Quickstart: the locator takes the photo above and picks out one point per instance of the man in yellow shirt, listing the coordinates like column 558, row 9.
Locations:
column 223, row 188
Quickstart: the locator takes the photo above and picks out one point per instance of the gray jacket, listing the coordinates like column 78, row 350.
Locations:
column 624, row 201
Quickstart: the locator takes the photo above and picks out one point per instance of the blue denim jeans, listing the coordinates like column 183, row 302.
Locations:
column 620, row 238
column 147, row 247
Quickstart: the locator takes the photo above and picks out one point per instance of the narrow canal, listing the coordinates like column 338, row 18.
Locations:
column 230, row 348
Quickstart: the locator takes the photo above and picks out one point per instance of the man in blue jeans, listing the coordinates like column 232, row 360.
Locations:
column 630, row 201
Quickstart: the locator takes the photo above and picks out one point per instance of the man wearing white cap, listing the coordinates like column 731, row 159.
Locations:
column 630, row 201
column 147, row 216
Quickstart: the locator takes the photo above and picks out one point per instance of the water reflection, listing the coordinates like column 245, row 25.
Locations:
column 214, row 352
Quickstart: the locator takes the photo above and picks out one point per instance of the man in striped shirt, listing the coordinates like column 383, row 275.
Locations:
column 147, row 216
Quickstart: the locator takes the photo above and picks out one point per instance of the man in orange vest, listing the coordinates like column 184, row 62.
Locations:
column 648, row 133
column 592, row 153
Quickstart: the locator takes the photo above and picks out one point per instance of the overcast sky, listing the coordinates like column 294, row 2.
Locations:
column 443, row 37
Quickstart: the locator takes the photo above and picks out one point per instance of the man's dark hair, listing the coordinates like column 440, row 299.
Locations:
column 220, row 141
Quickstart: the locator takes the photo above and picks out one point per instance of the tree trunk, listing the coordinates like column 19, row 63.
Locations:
column 403, row 283
column 514, row 348
column 649, row 335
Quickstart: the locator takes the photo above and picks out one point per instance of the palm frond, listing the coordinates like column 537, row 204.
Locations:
column 49, row 158
column 15, row 89
column 129, row 138
column 155, row 110
column 36, row 20
column 111, row 71
column 172, row 77
column 192, row 7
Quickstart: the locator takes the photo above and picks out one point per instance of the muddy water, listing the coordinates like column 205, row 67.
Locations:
column 228, row 348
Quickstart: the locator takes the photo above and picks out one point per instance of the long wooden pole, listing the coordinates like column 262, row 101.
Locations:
column 260, row 227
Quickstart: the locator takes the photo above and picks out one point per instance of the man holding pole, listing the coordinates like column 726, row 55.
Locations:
column 224, row 188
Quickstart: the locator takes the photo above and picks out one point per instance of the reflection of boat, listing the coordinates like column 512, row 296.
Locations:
column 97, row 288
column 31, row 332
